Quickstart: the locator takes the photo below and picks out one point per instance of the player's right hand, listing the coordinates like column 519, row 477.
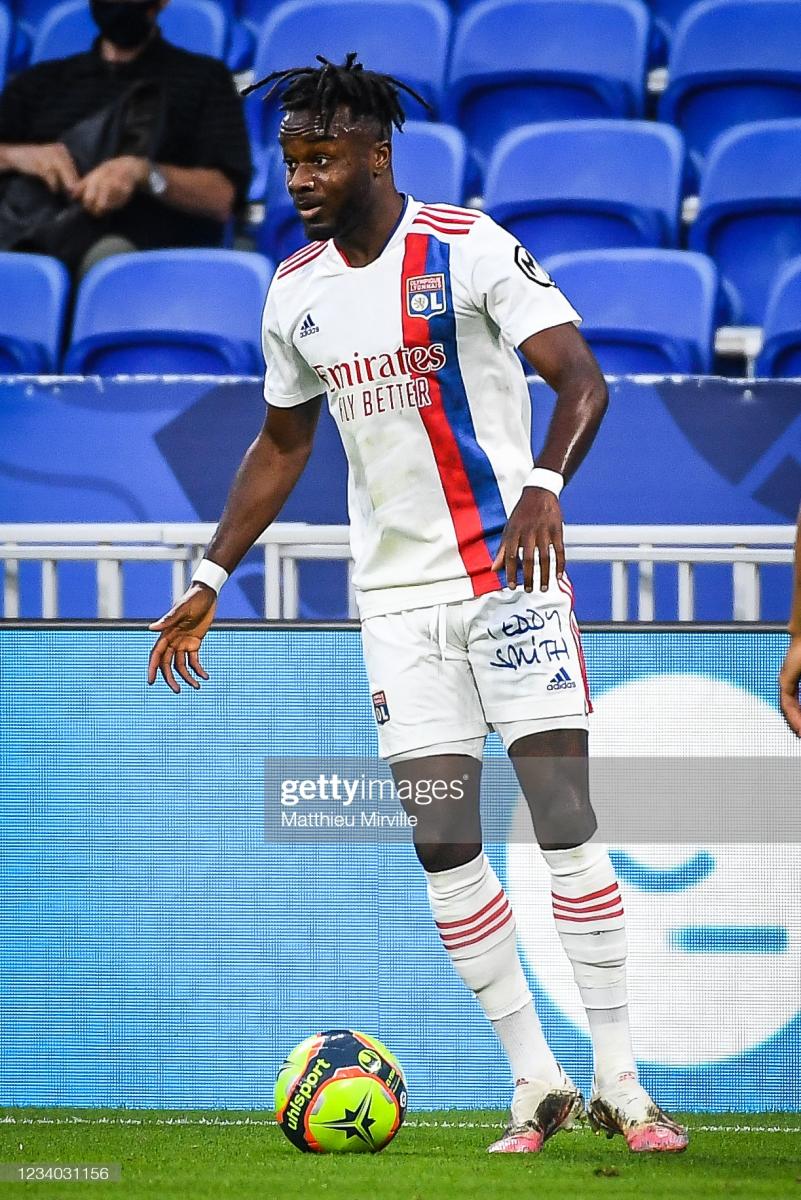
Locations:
column 182, row 630
column 789, row 677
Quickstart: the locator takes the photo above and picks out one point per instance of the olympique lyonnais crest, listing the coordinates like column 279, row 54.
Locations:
column 425, row 295
column 381, row 708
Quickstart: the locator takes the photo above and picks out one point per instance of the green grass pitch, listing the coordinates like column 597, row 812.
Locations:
column 436, row 1156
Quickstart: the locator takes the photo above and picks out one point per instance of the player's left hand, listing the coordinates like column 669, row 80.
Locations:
column 535, row 524
column 111, row 185
column 789, row 678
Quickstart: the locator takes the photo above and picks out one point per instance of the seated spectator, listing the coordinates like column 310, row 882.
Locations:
column 133, row 145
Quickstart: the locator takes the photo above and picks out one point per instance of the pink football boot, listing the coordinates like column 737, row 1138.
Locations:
column 626, row 1108
column 539, row 1110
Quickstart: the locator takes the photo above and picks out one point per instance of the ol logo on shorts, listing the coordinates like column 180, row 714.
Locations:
column 380, row 708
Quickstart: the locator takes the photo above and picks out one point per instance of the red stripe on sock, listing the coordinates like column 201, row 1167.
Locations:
column 472, row 941
column 474, row 917
column 590, row 895
column 588, row 908
column 460, row 933
column 602, row 917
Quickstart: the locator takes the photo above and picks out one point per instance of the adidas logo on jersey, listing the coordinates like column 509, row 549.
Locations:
column 561, row 681
column 307, row 326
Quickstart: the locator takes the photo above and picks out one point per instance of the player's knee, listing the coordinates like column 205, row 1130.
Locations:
column 562, row 814
column 444, row 856
column 556, row 787
column 564, row 829
column 441, row 794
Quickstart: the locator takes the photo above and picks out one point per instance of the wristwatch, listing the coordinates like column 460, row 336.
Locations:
column 156, row 182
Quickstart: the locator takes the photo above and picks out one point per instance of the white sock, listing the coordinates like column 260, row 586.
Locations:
column 588, row 911
column 477, row 928
column 529, row 1055
column 611, row 1040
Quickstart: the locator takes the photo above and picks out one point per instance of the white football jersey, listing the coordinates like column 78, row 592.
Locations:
column 416, row 352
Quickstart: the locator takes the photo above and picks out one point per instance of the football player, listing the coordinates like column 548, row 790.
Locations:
column 407, row 316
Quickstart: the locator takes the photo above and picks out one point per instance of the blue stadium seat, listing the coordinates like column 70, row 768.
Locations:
column 36, row 290
column 19, row 54
column 254, row 12
column 668, row 13
column 430, row 162
column 406, row 38
column 241, row 46
column 197, row 25
column 781, row 352
column 732, row 62
column 263, row 167
column 749, row 219
column 645, row 311
column 6, row 41
column 516, row 61
column 32, row 12
column 241, row 40
column 28, row 13
column 171, row 312
column 588, row 185
column 281, row 233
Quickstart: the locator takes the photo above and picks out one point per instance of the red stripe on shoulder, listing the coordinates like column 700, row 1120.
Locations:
column 301, row 253
column 445, row 218
column 445, row 224
column 301, row 256
column 290, row 265
column 455, row 230
column 452, row 210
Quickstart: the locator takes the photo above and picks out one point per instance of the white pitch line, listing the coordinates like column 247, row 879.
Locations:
column 414, row 1123
column 746, row 1128
column 140, row 1121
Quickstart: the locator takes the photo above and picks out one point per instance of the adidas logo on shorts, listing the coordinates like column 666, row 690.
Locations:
column 561, row 681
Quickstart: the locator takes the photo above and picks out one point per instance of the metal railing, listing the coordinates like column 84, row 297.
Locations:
column 745, row 548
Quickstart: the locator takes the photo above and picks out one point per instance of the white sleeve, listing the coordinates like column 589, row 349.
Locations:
column 509, row 284
column 288, row 378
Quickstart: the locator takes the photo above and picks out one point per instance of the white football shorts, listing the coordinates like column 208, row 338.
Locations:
column 456, row 671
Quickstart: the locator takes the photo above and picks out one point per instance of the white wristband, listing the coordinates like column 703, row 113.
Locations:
column 211, row 574
column 551, row 481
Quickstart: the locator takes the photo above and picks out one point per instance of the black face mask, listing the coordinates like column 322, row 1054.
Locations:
column 125, row 23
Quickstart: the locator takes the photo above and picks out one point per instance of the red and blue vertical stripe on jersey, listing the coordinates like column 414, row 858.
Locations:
column 468, row 480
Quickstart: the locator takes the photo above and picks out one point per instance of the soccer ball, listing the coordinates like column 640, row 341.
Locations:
column 340, row 1092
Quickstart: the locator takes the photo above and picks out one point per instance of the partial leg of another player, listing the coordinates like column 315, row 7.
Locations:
column 477, row 928
column 552, row 769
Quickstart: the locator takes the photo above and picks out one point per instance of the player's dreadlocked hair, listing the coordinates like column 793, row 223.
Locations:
column 324, row 89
